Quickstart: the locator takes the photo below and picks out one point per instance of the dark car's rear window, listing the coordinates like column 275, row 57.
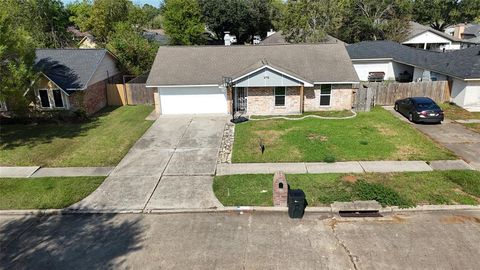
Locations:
column 427, row 106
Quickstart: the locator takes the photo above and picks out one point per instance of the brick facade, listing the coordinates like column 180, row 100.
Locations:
column 261, row 101
column 91, row 100
column 341, row 98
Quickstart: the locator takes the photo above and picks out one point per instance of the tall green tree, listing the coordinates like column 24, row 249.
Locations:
column 105, row 14
column 80, row 14
column 440, row 14
column 17, row 54
column 134, row 52
column 243, row 18
column 376, row 20
column 311, row 20
column 183, row 22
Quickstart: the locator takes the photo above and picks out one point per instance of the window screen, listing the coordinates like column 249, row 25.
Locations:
column 57, row 97
column 325, row 94
column 44, row 98
column 280, row 93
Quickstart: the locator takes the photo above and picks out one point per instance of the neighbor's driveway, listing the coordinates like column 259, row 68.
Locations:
column 455, row 137
column 170, row 166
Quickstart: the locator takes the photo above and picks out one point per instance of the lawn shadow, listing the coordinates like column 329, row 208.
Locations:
column 12, row 136
column 80, row 241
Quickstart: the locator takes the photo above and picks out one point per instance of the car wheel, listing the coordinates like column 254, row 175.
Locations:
column 396, row 107
column 410, row 117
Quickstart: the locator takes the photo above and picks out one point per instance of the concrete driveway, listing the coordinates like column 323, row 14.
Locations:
column 455, row 137
column 170, row 166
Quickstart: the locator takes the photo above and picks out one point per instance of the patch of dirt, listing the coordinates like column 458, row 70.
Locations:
column 350, row 178
column 386, row 130
column 268, row 136
column 459, row 219
column 317, row 137
column 405, row 151
column 399, row 219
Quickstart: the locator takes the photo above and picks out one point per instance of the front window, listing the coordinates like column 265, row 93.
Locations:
column 325, row 94
column 280, row 93
column 57, row 97
column 44, row 101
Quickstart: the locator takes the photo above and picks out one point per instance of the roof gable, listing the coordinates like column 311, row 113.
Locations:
column 70, row 69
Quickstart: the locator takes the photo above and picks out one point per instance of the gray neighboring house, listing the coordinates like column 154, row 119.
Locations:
column 401, row 63
column 261, row 80
column 73, row 79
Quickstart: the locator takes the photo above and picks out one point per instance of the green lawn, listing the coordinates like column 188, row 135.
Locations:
column 103, row 141
column 375, row 135
column 401, row 189
column 454, row 112
column 42, row 193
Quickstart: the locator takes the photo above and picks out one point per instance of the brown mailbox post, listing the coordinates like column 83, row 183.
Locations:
column 280, row 190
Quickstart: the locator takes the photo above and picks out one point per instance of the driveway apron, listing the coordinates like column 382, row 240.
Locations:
column 170, row 166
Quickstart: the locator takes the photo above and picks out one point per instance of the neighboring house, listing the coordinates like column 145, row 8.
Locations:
column 73, row 79
column 427, row 38
column 464, row 31
column 276, row 38
column 401, row 63
column 261, row 80
column 84, row 40
column 157, row 35
column 88, row 42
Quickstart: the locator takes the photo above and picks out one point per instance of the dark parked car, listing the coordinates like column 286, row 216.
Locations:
column 420, row 109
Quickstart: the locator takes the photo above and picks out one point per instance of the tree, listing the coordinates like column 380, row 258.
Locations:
column 134, row 52
column 243, row 18
column 17, row 54
column 311, row 20
column 104, row 15
column 80, row 14
column 440, row 14
column 183, row 22
column 152, row 15
column 376, row 20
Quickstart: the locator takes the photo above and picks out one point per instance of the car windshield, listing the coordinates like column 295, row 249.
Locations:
column 427, row 106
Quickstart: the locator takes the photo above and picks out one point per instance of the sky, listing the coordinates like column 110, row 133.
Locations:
column 155, row 3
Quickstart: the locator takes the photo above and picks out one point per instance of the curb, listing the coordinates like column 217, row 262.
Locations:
column 230, row 209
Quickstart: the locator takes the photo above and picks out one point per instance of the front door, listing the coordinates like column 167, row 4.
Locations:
column 240, row 99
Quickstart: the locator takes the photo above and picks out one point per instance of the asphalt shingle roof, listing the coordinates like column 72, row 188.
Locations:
column 200, row 65
column 70, row 69
column 463, row 63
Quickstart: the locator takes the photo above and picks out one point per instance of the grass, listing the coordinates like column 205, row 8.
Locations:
column 42, row 193
column 401, row 189
column 375, row 135
column 473, row 126
column 454, row 112
column 343, row 113
column 103, row 141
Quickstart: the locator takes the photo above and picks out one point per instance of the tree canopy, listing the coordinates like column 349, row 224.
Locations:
column 440, row 14
column 183, row 22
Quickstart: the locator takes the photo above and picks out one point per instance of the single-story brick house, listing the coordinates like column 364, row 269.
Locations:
column 260, row 80
column 74, row 79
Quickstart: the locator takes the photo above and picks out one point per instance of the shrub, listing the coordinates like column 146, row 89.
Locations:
column 329, row 159
column 384, row 195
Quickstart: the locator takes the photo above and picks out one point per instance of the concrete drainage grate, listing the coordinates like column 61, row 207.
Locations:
column 361, row 213
column 357, row 209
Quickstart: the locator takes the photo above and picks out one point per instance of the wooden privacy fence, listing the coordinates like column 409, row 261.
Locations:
column 129, row 94
column 385, row 93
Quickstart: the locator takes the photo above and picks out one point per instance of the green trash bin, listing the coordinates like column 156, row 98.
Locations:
column 296, row 203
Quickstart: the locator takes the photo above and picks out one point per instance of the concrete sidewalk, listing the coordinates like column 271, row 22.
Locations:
column 342, row 167
column 36, row 171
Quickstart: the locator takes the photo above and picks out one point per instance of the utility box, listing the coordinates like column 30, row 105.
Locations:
column 280, row 190
column 296, row 203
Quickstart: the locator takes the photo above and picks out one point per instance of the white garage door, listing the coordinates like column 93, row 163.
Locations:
column 193, row 100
